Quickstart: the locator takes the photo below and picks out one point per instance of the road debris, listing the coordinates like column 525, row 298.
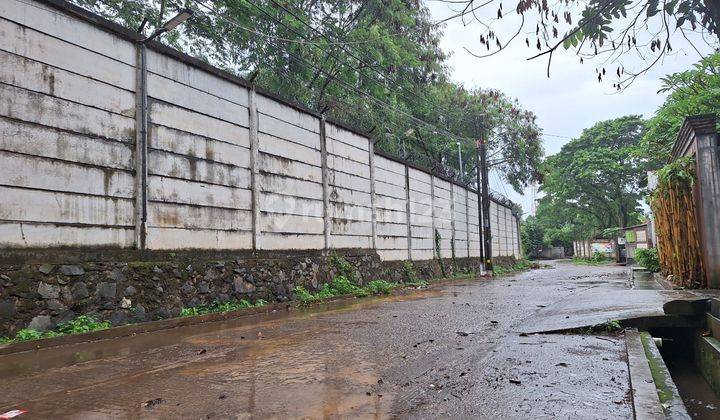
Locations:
column 152, row 403
column 12, row 413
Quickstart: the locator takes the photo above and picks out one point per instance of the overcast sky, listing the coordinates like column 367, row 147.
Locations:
column 567, row 102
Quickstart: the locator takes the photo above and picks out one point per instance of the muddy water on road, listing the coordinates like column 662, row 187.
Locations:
column 453, row 351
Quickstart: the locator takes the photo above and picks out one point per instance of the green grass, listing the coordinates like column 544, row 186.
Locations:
column 342, row 286
column 520, row 265
column 220, row 307
column 79, row 325
column 597, row 259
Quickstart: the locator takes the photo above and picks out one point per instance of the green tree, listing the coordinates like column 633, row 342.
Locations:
column 594, row 182
column 374, row 64
column 531, row 236
column 692, row 92
column 607, row 29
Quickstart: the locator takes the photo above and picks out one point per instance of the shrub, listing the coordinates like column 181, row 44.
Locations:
column 82, row 324
column 378, row 287
column 28, row 334
column 409, row 272
column 345, row 268
column 648, row 258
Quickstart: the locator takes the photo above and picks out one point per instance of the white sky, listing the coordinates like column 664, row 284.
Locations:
column 567, row 102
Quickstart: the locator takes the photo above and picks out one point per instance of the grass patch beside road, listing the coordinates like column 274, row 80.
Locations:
column 520, row 265
column 81, row 324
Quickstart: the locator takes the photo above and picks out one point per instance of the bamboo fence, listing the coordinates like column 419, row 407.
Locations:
column 673, row 204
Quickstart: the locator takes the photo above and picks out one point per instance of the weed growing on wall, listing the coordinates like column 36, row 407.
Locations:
column 345, row 268
column 220, row 307
column 81, row 324
column 438, row 256
column 409, row 272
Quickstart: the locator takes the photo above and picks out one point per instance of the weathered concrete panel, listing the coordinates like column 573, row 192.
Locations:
column 284, row 130
column 290, row 186
column 350, row 227
column 191, row 145
column 202, row 125
column 55, row 52
column 24, row 235
column 193, row 169
column 285, row 241
column 351, row 182
column 287, row 223
column 392, row 254
column 394, row 230
column 344, row 136
column 188, row 192
column 42, row 78
column 168, row 238
column 278, row 165
column 346, row 196
column 346, row 151
column 288, row 150
column 196, row 100
column 36, row 172
column 196, row 78
column 390, row 167
column 350, row 212
column 290, row 205
column 344, row 241
column 46, row 110
column 24, row 205
column 47, row 20
column 348, row 166
column 16, row 136
column 171, row 215
column 280, row 111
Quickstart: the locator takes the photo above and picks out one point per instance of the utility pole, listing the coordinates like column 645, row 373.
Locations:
column 484, row 188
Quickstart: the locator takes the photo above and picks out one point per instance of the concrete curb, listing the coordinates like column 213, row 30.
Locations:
column 673, row 404
column 249, row 313
column 646, row 403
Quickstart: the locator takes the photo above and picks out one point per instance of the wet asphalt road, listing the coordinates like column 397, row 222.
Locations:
column 453, row 351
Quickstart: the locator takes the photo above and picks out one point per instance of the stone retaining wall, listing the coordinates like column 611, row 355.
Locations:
column 39, row 289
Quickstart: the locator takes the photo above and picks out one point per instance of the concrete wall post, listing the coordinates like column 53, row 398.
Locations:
column 407, row 211
column 254, row 171
column 325, row 183
column 141, row 124
column 373, row 199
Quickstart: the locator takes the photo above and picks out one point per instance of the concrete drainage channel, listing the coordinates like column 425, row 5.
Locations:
column 675, row 366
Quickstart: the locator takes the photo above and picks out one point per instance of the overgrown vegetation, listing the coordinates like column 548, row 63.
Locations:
column 673, row 204
column 342, row 286
column 520, row 265
column 438, row 255
column 78, row 325
column 596, row 259
column 219, row 307
column 605, row 327
column 648, row 258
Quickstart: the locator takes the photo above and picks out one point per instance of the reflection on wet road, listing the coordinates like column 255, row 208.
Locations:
column 453, row 351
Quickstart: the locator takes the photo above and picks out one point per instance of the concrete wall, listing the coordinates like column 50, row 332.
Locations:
column 227, row 167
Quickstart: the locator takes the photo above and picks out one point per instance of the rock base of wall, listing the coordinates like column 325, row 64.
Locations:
column 42, row 288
